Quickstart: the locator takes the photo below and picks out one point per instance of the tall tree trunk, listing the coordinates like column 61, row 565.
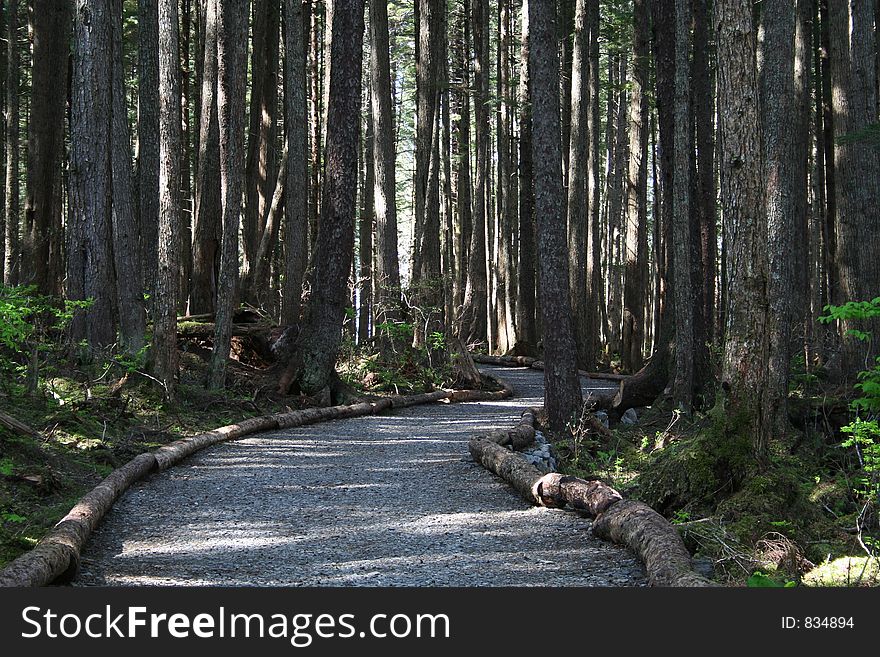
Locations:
column 186, row 217
column 260, row 167
column 231, row 74
column 12, row 260
column 148, row 139
column 857, row 169
column 207, row 225
column 426, row 251
column 316, row 38
column 578, row 201
column 335, row 242
column 705, row 188
column 50, row 29
column 744, row 373
column 464, row 196
column 594, row 295
column 165, row 356
column 506, row 298
column 684, row 299
column 297, row 183
column 387, row 274
column 89, row 253
column 562, row 386
column 129, row 281
column 636, row 273
column 475, row 317
column 784, row 152
column 365, row 232
column 616, row 191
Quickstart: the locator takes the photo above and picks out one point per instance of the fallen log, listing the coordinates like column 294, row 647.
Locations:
column 654, row 539
column 172, row 453
column 206, row 330
column 56, row 556
column 593, row 497
column 19, row 427
column 508, row 465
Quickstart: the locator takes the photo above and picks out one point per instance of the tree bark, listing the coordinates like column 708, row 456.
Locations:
column 784, row 152
column 335, row 242
column 12, row 259
column 89, row 253
column 297, row 183
column 744, row 372
column 148, row 140
column 683, row 385
column 387, row 274
column 474, row 317
column 579, row 204
column 704, row 184
column 636, row 253
column 562, row 387
column 231, row 74
column 50, row 50
column 126, row 246
column 165, row 356
column 857, row 169
column 261, row 167
column 207, row 208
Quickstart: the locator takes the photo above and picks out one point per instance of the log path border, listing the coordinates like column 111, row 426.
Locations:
column 634, row 524
column 55, row 558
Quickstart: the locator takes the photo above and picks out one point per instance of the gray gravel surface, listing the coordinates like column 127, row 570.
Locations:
column 391, row 500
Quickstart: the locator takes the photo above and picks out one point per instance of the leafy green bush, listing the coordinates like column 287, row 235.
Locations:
column 26, row 322
column 864, row 431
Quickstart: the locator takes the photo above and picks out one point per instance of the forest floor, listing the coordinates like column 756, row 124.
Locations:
column 391, row 500
column 800, row 520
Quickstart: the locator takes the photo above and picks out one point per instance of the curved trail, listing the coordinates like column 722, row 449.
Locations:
column 391, row 500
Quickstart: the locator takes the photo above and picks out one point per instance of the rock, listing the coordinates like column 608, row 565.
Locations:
column 602, row 416
column 630, row 417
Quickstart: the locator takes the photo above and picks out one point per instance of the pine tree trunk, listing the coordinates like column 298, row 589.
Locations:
column 207, row 225
column 684, row 298
column 387, row 274
column 857, row 169
column 636, row 253
column 464, row 191
column 261, row 167
column 594, row 296
column 335, row 244
column 12, row 252
column 578, row 202
column 705, row 188
column 50, row 28
column 505, row 285
column 297, row 183
column 475, row 314
column 562, row 387
column 784, row 174
column 129, row 281
column 231, row 75
column 165, row 356
column 148, row 140
column 89, row 253
column 365, row 232
column 744, row 373
column 186, row 217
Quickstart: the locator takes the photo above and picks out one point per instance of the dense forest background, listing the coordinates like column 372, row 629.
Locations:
column 674, row 190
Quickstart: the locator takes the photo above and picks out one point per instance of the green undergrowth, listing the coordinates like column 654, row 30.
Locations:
column 789, row 519
column 93, row 419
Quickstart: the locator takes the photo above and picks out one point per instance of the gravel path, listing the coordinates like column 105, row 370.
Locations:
column 391, row 500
